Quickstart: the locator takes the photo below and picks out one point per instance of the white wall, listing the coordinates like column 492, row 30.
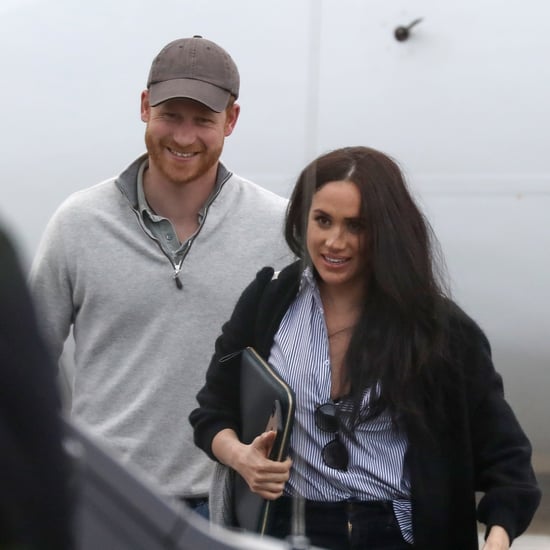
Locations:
column 463, row 105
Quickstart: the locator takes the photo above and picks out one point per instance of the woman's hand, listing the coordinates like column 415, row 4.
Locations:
column 497, row 539
column 265, row 477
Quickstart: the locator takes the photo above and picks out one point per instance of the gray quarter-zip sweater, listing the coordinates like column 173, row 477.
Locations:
column 142, row 345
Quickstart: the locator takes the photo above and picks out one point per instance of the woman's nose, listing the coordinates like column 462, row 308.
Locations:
column 336, row 238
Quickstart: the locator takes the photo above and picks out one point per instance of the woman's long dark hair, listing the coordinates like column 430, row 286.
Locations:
column 401, row 331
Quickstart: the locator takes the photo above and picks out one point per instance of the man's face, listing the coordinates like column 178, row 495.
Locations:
column 185, row 138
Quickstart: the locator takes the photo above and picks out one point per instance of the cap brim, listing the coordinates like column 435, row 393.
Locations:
column 213, row 97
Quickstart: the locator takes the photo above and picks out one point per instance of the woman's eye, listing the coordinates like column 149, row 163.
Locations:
column 356, row 226
column 323, row 221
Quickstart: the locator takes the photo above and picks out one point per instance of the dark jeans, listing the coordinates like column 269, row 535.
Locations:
column 199, row 506
column 349, row 525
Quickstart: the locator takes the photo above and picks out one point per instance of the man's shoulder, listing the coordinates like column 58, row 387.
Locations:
column 89, row 199
column 251, row 191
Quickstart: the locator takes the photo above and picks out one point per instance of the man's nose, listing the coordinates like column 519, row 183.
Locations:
column 185, row 134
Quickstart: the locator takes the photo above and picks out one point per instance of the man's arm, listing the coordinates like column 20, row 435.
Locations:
column 51, row 287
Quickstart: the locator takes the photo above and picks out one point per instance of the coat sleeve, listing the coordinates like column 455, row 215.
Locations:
column 501, row 449
column 219, row 398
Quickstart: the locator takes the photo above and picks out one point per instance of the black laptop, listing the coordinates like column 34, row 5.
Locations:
column 267, row 402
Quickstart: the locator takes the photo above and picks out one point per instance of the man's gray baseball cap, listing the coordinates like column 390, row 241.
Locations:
column 193, row 68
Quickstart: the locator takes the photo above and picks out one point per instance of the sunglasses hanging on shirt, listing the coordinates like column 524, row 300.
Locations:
column 334, row 453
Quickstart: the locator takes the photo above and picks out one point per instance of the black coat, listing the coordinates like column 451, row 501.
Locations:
column 477, row 446
column 35, row 508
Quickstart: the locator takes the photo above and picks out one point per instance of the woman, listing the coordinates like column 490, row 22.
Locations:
column 400, row 415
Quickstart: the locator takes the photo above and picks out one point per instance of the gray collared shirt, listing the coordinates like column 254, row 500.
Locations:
column 162, row 228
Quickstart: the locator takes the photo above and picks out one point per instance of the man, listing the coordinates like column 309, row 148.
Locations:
column 35, row 505
column 146, row 266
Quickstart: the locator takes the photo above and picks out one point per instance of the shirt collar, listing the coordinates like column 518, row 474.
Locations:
column 143, row 206
column 308, row 279
column 141, row 200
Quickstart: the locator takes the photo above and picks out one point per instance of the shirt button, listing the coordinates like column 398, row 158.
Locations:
column 168, row 237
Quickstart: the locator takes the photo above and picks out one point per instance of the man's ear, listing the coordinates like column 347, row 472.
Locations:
column 145, row 107
column 232, row 115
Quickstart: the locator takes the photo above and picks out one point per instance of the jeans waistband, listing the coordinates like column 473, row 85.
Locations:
column 346, row 505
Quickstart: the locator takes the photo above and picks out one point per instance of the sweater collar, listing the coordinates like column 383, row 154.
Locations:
column 126, row 181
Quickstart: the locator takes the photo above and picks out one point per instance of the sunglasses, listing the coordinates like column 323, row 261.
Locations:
column 334, row 453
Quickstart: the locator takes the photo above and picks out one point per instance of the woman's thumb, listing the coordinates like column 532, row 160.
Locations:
column 264, row 442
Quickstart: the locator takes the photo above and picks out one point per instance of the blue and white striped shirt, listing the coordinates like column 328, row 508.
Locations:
column 300, row 353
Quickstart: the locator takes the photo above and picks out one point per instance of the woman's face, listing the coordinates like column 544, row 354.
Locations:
column 335, row 235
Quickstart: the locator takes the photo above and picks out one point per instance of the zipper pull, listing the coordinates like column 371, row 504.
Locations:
column 177, row 270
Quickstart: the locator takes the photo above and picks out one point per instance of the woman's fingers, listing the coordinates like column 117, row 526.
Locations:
column 264, row 477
